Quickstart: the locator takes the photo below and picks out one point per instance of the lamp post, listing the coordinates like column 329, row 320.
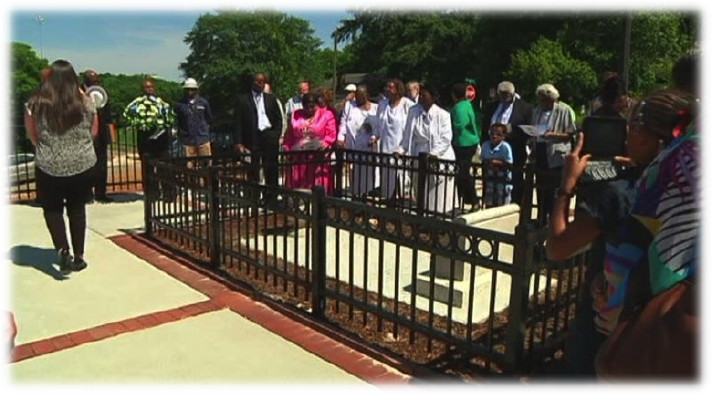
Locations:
column 40, row 20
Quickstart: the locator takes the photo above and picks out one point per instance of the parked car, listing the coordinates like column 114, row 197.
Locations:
column 21, row 168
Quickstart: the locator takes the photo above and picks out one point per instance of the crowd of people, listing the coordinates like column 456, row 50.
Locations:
column 645, row 220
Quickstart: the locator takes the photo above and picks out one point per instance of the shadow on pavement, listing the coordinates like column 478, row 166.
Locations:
column 133, row 231
column 41, row 259
column 126, row 197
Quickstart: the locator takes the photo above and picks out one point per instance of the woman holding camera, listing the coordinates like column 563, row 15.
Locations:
column 649, row 223
column 61, row 123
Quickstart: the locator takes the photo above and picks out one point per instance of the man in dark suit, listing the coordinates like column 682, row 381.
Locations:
column 107, row 130
column 512, row 111
column 258, row 126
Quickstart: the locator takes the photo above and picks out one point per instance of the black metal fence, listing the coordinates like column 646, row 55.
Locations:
column 123, row 166
column 400, row 276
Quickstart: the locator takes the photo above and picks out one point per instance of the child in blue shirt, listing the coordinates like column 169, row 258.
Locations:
column 497, row 159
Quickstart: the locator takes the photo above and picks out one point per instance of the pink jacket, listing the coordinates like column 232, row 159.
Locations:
column 323, row 126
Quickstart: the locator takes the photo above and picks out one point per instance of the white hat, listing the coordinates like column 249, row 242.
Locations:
column 190, row 83
column 350, row 88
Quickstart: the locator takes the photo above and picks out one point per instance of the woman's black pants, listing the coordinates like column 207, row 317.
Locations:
column 70, row 191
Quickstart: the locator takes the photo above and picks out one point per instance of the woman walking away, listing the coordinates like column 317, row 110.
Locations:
column 61, row 123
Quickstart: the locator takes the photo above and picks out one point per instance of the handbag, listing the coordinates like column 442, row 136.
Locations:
column 659, row 340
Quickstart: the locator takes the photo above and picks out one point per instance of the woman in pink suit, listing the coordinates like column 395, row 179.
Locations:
column 311, row 129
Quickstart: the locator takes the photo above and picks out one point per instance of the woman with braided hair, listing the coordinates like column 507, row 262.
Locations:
column 650, row 223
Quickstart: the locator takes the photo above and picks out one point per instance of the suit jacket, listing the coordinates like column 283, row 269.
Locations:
column 521, row 115
column 246, row 131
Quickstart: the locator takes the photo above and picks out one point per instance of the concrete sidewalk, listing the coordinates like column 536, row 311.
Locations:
column 126, row 320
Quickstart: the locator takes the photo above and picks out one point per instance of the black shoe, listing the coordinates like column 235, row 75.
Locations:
column 78, row 264
column 65, row 262
column 104, row 199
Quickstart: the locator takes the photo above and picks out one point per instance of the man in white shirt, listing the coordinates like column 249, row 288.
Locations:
column 348, row 100
column 295, row 102
column 285, row 121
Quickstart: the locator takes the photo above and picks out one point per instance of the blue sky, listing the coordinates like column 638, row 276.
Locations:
column 129, row 42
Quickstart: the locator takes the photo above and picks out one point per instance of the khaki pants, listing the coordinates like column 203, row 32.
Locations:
column 197, row 151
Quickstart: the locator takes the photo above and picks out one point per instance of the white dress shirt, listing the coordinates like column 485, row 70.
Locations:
column 262, row 119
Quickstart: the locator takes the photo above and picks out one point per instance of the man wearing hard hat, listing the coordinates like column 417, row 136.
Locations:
column 193, row 121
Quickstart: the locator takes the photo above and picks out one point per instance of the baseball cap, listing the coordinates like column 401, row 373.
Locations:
column 350, row 88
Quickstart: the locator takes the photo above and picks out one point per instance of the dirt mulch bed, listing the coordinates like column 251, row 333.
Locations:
column 413, row 345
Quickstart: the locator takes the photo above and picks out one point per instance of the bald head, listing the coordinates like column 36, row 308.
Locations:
column 91, row 78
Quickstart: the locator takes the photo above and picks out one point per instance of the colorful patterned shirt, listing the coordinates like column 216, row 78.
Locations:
column 662, row 230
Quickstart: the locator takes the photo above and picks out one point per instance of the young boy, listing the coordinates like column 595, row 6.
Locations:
column 497, row 159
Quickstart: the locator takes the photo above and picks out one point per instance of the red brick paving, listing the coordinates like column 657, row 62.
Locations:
column 221, row 296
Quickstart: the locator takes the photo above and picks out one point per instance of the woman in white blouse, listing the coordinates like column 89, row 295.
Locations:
column 392, row 115
column 428, row 130
column 356, row 133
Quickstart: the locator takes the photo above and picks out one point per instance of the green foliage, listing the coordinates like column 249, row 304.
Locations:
column 658, row 40
column 123, row 89
column 227, row 48
column 547, row 62
column 433, row 47
column 26, row 68
column 569, row 50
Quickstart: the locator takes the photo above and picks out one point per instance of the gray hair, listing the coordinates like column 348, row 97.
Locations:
column 548, row 90
column 506, row 86
column 363, row 89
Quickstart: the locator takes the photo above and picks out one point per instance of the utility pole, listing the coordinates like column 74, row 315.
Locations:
column 40, row 20
column 626, row 51
column 335, row 82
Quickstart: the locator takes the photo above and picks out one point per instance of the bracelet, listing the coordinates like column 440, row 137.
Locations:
column 562, row 193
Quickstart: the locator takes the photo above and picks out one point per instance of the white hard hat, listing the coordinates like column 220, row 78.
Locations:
column 190, row 83
column 350, row 88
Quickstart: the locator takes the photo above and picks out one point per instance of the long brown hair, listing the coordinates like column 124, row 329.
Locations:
column 59, row 100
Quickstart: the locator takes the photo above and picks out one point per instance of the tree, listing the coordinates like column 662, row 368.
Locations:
column 434, row 47
column 228, row 47
column 123, row 89
column 26, row 68
column 447, row 47
column 547, row 62
column 657, row 42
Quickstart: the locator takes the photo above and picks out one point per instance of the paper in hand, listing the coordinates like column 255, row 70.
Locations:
column 533, row 130
column 156, row 134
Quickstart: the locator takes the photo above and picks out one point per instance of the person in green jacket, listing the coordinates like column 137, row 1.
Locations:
column 465, row 141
